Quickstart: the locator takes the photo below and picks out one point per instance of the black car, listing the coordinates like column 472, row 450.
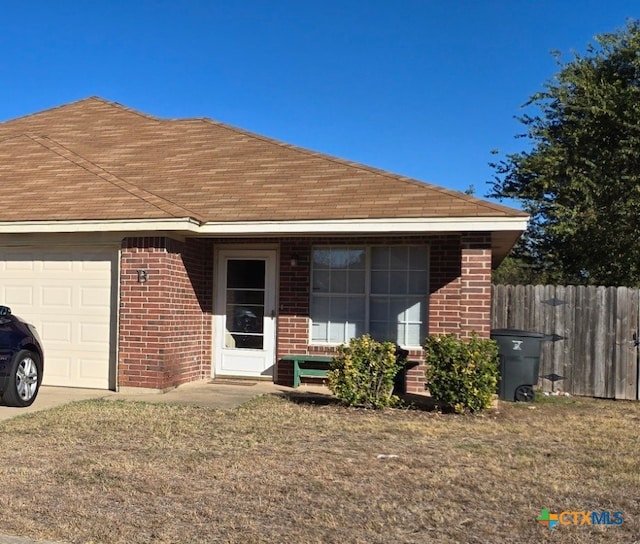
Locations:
column 21, row 360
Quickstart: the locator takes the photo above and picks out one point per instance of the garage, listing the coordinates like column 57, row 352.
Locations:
column 67, row 294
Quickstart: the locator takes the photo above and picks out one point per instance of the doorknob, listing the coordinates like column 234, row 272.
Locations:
column 273, row 314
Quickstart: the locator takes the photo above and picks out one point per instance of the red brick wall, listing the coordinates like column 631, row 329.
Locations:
column 444, row 285
column 459, row 292
column 475, row 285
column 165, row 322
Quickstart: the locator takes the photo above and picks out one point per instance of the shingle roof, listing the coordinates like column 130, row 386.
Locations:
column 98, row 160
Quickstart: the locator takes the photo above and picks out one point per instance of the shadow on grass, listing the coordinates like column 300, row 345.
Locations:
column 419, row 402
column 310, row 397
column 409, row 401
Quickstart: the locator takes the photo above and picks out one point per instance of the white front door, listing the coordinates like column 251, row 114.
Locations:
column 245, row 312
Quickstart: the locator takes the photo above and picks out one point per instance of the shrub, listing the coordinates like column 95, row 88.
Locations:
column 462, row 376
column 362, row 373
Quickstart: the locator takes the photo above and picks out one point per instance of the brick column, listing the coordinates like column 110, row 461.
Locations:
column 165, row 330
column 475, row 284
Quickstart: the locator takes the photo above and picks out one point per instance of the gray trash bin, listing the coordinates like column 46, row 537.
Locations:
column 519, row 355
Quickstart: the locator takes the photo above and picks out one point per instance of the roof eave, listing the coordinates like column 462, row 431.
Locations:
column 365, row 226
column 182, row 225
column 189, row 225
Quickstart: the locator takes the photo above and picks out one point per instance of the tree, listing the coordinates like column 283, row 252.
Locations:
column 580, row 178
column 514, row 270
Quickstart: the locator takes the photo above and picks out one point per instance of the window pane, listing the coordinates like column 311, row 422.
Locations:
column 347, row 258
column 248, row 319
column 238, row 296
column 351, row 331
column 397, row 309
column 356, row 309
column 379, row 309
column 245, row 274
column 338, row 281
column 418, row 282
column 401, row 331
column 321, row 281
column 414, row 335
column 398, row 282
column 338, row 309
column 380, row 282
column 414, row 311
column 320, row 308
column 359, row 329
column 356, row 281
column 383, row 331
column 399, row 258
column 357, row 259
column 321, row 258
column 336, row 333
column 319, row 332
column 380, row 258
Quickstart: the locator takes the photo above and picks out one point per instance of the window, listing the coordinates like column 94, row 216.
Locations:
column 379, row 290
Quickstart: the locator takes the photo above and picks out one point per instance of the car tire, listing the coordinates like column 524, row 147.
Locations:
column 24, row 380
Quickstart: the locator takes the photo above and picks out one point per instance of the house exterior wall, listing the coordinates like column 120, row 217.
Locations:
column 459, row 293
column 165, row 321
column 475, row 285
column 165, row 325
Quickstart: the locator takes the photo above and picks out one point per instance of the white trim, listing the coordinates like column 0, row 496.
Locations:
column 237, row 228
column 128, row 225
column 431, row 224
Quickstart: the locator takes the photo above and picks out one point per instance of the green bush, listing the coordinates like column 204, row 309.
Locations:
column 462, row 376
column 362, row 373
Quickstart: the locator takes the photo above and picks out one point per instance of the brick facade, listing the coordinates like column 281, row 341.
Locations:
column 459, row 292
column 165, row 321
column 166, row 328
column 475, row 285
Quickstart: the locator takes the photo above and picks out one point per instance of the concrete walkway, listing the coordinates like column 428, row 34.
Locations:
column 218, row 394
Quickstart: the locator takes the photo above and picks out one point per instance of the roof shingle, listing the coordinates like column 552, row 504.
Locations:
column 95, row 159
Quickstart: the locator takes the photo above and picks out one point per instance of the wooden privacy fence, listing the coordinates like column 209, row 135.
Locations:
column 589, row 331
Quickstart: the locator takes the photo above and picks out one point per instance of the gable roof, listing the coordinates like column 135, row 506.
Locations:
column 95, row 160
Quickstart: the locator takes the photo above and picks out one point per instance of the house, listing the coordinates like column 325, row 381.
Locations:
column 152, row 252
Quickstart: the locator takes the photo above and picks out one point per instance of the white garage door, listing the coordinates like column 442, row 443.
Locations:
column 66, row 294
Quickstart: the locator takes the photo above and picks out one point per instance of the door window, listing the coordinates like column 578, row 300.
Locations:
column 245, row 295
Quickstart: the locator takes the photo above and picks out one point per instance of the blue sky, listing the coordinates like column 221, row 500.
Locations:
column 418, row 87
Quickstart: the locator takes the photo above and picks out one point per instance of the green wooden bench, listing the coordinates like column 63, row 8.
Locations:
column 308, row 366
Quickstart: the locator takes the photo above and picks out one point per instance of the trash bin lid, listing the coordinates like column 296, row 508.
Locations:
column 516, row 332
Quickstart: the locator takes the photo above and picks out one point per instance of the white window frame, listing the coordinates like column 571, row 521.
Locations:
column 367, row 295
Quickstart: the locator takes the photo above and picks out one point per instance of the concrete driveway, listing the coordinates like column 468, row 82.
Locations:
column 50, row 397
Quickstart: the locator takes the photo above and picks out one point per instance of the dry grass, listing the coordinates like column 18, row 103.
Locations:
column 282, row 471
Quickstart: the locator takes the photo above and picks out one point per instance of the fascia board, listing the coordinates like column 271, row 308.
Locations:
column 366, row 226
column 188, row 226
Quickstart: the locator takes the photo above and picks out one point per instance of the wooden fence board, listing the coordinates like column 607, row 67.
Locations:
column 596, row 355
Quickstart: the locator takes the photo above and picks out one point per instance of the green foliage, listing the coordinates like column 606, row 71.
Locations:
column 580, row 178
column 514, row 270
column 462, row 376
column 362, row 373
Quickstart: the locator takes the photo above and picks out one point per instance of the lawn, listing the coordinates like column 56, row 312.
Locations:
column 285, row 470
